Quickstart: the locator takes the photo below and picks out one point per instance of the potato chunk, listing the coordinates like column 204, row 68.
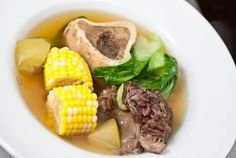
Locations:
column 30, row 54
column 107, row 135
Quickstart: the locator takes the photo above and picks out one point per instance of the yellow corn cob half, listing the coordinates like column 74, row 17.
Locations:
column 65, row 67
column 73, row 108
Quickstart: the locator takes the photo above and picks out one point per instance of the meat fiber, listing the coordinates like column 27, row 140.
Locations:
column 107, row 99
column 129, row 129
column 130, row 132
column 152, row 112
column 148, row 124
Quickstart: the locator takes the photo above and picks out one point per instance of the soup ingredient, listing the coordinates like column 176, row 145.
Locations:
column 66, row 67
column 130, row 132
column 157, row 61
column 30, row 54
column 101, row 44
column 161, row 74
column 128, row 70
column 119, row 74
column 119, row 97
column 149, row 67
column 148, row 123
column 107, row 135
column 73, row 108
column 152, row 112
column 129, row 129
column 107, row 99
column 146, row 46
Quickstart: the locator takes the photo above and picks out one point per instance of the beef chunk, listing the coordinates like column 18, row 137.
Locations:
column 107, row 99
column 129, row 129
column 130, row 132
column 152, row 112
column 148, row 124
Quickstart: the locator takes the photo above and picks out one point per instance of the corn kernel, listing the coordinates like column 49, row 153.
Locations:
column 61, row 69
column 94, row 96
column 76, row 114
column 74, row 119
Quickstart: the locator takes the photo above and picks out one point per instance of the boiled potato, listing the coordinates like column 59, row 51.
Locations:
column 30, row 54
column 107, row 135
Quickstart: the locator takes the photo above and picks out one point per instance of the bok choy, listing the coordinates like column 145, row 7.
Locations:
column 160, row 73
column 149, row 67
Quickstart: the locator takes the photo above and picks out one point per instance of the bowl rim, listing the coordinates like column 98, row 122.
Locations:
column 48, row 7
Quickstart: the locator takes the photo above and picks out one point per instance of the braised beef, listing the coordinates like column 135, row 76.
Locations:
column 107, row 99
column 151, row 110
column 148, row 124
column 130, row 132
column 129, row 129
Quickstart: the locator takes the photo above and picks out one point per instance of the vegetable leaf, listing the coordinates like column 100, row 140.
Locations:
column 160, row 75
column 146, row 46
column 121, row 73
column 149, row 67
column 143, row 49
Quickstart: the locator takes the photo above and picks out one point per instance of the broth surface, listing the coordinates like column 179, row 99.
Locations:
column 35, row 95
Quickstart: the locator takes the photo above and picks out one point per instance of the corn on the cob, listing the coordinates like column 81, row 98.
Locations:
column 65, row 67
column 74, row 109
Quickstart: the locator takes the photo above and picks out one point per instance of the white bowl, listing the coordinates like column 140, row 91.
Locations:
column 209, row 129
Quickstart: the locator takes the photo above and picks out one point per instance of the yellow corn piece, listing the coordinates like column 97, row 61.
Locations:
column 65, row 67
column 74, row 109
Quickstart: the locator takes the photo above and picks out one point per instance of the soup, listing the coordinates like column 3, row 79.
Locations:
column 33, row 89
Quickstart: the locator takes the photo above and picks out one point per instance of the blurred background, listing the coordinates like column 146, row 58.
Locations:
column 222, row 16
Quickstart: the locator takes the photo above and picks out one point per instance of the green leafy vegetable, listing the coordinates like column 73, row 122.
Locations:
column 121, row 73
column 149, row 67
column 146, row 46
column 156, row 61
column 143, row 49
column 161, row 73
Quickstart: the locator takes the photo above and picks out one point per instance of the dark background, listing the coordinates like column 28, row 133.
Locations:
column 222, row 15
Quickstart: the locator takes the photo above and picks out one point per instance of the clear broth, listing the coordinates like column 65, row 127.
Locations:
column 32, row 85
